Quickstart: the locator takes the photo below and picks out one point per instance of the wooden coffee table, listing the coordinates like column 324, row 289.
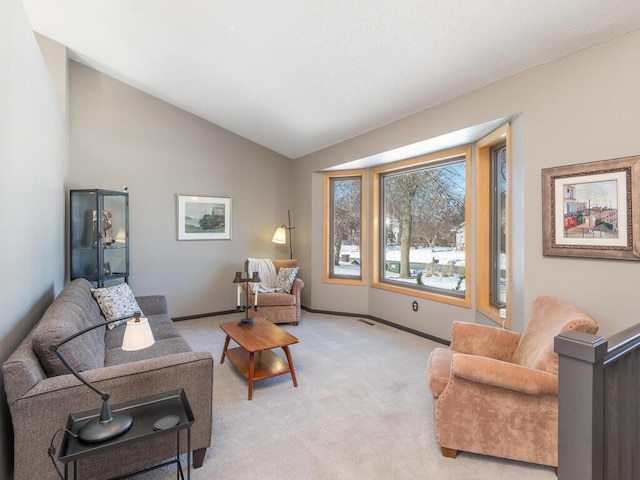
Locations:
column 254, row 358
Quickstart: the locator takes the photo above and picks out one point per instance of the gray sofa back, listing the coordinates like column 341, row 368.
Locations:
column 73, row 310
column 32, row 361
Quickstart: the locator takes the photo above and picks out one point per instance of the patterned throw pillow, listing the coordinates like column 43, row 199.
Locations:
column 116, row 302
column 286, row 277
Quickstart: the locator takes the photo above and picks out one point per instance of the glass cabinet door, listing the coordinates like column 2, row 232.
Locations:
column 99, row 235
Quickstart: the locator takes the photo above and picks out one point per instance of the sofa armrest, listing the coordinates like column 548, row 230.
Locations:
column 153, row 304
column 484, row 340
column 501, row 374
column 44, row 409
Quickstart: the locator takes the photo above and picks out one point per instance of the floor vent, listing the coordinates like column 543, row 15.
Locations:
column 366, row 321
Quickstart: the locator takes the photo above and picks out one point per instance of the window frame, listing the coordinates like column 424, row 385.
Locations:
column 376, row 211
column 485, row 222
column 327, row 247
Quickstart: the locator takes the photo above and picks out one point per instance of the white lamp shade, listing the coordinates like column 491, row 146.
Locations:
column 280, row 236
column 137, row 335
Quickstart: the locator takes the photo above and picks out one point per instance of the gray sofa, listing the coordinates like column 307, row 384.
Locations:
column 41, row 393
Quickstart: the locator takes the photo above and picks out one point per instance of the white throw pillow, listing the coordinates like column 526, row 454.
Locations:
column 286, row 277
column 116, row 302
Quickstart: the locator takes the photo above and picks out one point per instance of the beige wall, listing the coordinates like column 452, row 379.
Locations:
column 120, row 136
column 55, row 58
column 33, row 167
column 580, row 108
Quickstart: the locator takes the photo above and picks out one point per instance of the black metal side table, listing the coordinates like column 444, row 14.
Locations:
column 154, row 415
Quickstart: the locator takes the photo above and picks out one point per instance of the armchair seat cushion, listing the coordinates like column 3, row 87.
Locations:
column 439, row 370
column 276, row 298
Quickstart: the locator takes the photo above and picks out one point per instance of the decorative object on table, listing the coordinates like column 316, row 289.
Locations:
column 278, row 305
column 239, row 280
column 108, row 424
column 94, row 252
column 107, row 228
column 280, row 235
column 592, row 209
column 204, row 218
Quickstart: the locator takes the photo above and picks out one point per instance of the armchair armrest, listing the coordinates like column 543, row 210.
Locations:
column 153, row 304
column 483, row 340
column 497, row 373
column 298, row 285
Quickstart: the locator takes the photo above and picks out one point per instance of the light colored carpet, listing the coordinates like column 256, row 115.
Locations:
column 362, row 411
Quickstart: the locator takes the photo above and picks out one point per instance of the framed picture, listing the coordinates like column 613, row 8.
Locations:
column 592, row 209
column 204, row 218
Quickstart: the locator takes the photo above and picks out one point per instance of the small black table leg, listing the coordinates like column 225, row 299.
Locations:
column 178, row 466
column 189, row 453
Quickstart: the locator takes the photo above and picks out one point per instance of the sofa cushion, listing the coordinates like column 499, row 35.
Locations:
column 160, row 348
column 115, row 302
column 285, row 279
column 72, row 311
column 277, row 298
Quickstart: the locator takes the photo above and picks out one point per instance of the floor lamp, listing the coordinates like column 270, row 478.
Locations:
column 280, row 236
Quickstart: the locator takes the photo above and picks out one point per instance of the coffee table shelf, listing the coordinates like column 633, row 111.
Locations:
column 266, row 363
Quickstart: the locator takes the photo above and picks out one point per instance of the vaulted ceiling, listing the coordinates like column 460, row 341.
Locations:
column 300, row 75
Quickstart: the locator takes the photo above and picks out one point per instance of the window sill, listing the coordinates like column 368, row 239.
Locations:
column 493, row 314
column 457, row 301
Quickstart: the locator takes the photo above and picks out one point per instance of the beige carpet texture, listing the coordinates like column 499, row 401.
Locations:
column 362, row 410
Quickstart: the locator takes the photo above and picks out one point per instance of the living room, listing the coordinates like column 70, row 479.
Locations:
column 97, row 132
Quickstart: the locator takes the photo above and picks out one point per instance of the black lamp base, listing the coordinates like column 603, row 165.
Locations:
column 246, row 322
column 94, row 431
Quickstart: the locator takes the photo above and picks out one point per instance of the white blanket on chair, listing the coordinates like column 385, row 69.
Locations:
column 267, row 272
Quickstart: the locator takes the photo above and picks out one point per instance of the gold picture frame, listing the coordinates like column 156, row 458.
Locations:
column 592, row 209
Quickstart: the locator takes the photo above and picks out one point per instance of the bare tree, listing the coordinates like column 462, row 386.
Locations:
column 400, row 194
column 346, row 214
column 426, row 204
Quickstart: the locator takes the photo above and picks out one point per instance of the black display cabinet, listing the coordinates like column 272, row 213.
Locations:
column 99, row 240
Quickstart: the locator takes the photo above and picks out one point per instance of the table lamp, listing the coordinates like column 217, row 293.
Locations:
column 137, row 336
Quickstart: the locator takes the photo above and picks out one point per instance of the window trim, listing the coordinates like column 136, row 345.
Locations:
column 375, row 208
column 327, row 244
column 483, row 225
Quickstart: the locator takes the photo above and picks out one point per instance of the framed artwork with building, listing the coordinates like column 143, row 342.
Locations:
column 592, row 209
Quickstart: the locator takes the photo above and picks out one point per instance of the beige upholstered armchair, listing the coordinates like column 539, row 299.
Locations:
column 495, row 392
column 278, row 307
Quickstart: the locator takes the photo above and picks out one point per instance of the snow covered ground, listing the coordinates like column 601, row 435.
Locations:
column 444, row 256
